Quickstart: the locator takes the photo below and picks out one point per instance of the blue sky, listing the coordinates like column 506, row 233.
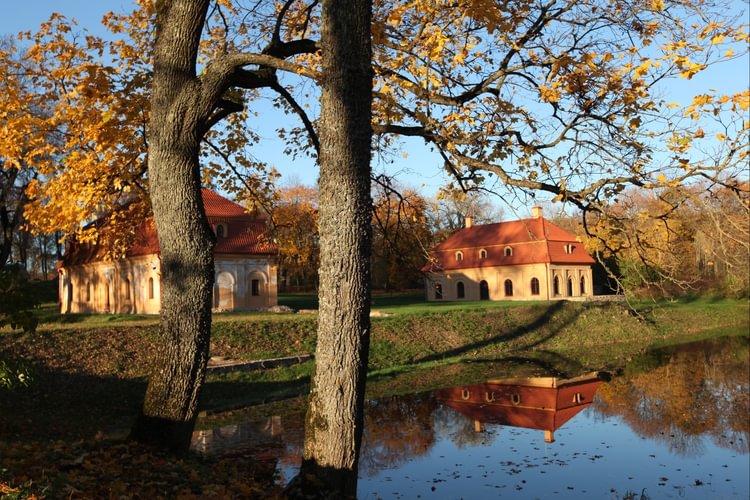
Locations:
column 418, row 168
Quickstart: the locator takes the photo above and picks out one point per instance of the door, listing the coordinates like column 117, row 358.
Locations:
column 484, row 290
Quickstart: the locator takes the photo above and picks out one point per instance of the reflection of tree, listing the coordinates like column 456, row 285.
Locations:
column 694, row 390
column 396, row 430
column 459, row 428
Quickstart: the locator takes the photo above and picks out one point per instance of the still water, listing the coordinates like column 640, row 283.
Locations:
column 673, row 423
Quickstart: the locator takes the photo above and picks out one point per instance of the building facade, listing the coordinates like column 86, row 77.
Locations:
column 244, row 262
column 528, row 259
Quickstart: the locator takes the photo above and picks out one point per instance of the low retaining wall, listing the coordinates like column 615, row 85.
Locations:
column 224, row 365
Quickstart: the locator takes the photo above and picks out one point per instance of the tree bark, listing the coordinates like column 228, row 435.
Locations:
column 333, row 430
column 185, row 238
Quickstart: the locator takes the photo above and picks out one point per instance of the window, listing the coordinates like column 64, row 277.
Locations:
column 460, row 293
column 151, row 288
column 534, row 286
column 459, row 256
column 482, row 254
column 88, row 292
column 570, row 287
column 508, row 288
column 583, row 285
column 126, row 285
column 221, row 230
column 569, row 248
column 438, row 291
column 508, row 251
column 556, row 286
column 255, row 288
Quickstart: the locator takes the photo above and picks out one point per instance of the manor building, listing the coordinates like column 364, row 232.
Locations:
column 244, row 260
column 528, row 259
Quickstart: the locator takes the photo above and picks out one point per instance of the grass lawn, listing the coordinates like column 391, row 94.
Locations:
column 393, row 303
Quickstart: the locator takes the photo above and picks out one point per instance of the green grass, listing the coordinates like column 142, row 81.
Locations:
column 414, row 306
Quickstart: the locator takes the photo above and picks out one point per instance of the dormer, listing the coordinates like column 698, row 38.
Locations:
column 221, row 230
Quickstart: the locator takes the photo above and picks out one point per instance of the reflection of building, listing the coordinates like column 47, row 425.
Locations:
column 543, row 403
column 529, row 259
column 231, row 439
column 244, row 261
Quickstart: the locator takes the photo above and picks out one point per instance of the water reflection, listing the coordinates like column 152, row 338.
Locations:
column 673, row 421
column 542, row 403
column 679, row 395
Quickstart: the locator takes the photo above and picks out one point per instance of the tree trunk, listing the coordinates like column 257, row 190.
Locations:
column 185, row 238
column 333, row 430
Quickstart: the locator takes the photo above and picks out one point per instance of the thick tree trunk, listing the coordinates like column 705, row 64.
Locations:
column 333, row 430
column 185, row 238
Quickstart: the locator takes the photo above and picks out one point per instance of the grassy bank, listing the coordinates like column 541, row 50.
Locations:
column 109, row 357
column 88, row 375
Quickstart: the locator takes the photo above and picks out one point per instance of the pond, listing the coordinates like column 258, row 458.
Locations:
column 673, row 423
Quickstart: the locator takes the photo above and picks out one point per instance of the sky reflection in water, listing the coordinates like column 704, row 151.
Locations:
column 674, row 424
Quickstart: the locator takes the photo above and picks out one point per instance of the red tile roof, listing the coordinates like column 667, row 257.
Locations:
column 531, row 241
column 245, row 234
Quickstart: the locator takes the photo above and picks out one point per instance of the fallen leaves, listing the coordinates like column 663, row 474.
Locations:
column 123, row 469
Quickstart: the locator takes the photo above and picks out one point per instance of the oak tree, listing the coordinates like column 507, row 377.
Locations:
column 554, row 96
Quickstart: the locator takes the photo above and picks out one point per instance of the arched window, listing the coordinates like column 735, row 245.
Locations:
column 438, row 291
column 534, row 286
column 482, row 254
column 151, row 288
column 583, row 285
column 508, row 288
column 570, row 287
column 508, row 251
column 484, row 290
column 556, row 286
column 569, row 248
column 459, row 256
column 88, row 292
column 255, row 288
column 224, row 291
column 221, row 230
column 126, row 291
column 460, row 290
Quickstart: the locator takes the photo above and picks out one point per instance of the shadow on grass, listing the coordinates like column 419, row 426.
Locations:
column 60, row 405
column 221, row 395
column 532, row 328
column 68, row 406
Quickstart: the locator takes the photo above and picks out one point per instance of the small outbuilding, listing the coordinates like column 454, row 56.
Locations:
column 245, row 263
column 528, row 259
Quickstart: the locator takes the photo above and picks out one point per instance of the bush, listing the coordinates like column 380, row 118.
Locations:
column 13, row 376
column 17, row 301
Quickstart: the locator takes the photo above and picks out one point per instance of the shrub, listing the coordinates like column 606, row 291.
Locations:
column 13, row 375
column 17, row 301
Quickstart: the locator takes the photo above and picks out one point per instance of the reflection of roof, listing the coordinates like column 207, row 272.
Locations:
column 543, row 403
column 245, row 234
column 532, row 241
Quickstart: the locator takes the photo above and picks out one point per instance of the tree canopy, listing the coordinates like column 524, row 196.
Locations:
column 559, row 97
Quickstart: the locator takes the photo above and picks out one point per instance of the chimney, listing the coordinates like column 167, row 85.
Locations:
column 468, row 221
column 536, row 212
